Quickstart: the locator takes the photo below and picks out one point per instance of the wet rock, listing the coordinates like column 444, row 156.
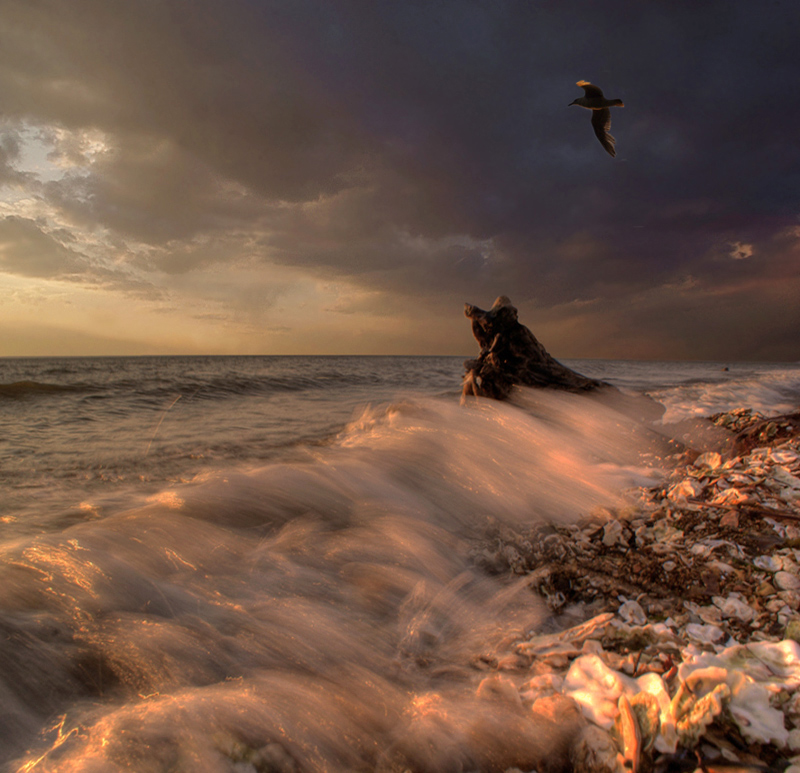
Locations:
column 510, row 355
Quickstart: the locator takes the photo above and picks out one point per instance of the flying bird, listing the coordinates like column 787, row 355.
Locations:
column 594, row 100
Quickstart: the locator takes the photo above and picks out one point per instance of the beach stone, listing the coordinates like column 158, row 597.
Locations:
column 705, row 634
column 710, row 615
column 733, row 607
column 786, row 581
column 510, row 355
column 612, row 533
column 765, row 589
column 631, row 612
column 775, row 605
column 793, row 630
column 767, row 563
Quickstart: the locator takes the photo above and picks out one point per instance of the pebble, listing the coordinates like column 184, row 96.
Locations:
column 705, row 634
column 791, row 598
column 735, row 607
column 612, row 533
column 765, row 589
column 768, row 563
column 786, row 581
column 632, row 612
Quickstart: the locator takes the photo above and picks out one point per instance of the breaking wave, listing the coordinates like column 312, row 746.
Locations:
column 320, row 614
column 21, row 389
column 770, row 392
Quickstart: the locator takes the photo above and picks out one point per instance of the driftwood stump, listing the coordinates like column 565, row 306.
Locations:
column 510, row 355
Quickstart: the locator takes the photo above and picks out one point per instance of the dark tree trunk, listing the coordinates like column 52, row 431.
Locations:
column 510, row 355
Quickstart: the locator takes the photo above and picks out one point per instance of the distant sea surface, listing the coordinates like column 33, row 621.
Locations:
column 187, row 541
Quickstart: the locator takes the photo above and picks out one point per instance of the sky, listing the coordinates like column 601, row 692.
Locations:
column 330, row 177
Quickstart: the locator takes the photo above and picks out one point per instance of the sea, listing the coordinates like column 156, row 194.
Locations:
column 266, row 563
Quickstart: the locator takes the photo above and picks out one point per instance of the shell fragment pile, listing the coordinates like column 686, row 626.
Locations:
column 685, row 654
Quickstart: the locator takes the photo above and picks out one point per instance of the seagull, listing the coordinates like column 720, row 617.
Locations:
column 594, row 100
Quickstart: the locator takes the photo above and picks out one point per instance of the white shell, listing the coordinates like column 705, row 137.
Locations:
column 729, row 496
column 705, row 634
column 735, row 607
column 710, row 459
column 596, row 689
column 632, row 612
column 686, row 489
column 790, row 482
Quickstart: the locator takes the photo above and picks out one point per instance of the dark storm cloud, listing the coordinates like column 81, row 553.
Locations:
column 426, row 149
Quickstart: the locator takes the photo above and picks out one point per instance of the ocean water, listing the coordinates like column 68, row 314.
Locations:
column 262, row 563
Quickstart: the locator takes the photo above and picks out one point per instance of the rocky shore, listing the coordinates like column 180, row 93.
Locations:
column 676, row 619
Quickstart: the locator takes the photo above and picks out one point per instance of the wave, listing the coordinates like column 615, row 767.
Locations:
column 770, row 392
column 218, row 387
column 224, row 385
column 20, row 389
column 323, row 611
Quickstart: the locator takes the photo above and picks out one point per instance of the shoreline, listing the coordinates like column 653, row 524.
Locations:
column 690, row 657
column 671, row 645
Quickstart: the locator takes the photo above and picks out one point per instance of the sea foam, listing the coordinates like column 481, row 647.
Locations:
column 324, row 609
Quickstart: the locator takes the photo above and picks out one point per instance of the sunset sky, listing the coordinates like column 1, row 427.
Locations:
column 317, row 176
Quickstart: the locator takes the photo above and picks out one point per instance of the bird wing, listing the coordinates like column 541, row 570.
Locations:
column 590, row 90
column 601, row 123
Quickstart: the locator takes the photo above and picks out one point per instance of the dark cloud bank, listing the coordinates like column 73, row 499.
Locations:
column 424, row 150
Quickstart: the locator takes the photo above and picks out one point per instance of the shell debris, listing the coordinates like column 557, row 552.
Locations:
column 690, row 601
